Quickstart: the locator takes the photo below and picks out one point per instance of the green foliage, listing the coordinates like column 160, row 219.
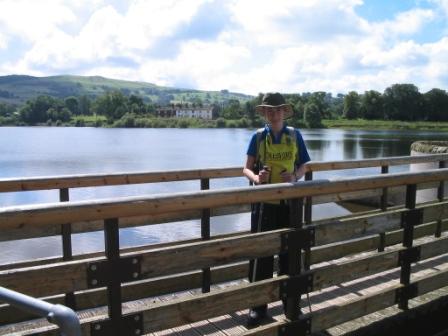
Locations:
column 436, row 105
column 372, row 106
column 72, row 104
column 351, row 105
column 403, row 102
column 312, row 116
column 220, row 123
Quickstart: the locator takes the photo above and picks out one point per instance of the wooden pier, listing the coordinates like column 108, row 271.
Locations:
column 346, row 272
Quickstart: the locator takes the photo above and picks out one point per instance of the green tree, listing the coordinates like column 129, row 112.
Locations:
column 84, row 104
column 72, row 104
column 436, row 105
column 351, row 105
column 113, row 105
column 136, row 104
column 403, row 102
column 232, row 110
column 35, row 110
column 249, row 111
column 372, row 105
column 320, row 99
column 312, row 116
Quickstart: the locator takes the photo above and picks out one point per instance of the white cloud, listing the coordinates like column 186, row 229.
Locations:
column 405, row 23
column 34, row 20
column 284, row 45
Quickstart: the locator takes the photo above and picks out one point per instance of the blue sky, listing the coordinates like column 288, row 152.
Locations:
column 241, row 45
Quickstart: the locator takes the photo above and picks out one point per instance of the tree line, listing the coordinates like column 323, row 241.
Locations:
column 398, row 102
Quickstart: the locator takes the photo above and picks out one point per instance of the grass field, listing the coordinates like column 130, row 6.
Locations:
column 386, row 124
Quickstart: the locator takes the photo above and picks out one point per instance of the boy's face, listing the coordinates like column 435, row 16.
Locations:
column 274, row 114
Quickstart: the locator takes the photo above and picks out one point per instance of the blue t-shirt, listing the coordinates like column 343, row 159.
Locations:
column 303, row 152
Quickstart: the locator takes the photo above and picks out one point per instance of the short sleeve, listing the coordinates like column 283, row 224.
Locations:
column 252, row 149
column 304, row 157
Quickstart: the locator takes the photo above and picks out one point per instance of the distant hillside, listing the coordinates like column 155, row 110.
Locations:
column 17, row 89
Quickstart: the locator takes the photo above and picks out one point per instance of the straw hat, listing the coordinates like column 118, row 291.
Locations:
column 274, row 101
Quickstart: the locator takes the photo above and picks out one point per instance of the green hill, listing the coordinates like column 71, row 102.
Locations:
column 17, row 89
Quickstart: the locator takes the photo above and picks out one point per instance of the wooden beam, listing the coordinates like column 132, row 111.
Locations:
column 95, row 180
column 26, row 217
column 72, row 276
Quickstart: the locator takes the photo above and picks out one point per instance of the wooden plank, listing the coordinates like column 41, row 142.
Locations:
column 26, row 217
column 204, row 306
column 366, row 163
column 92, row 180
column 72, row 276
column 40, row 281
column 355, row 226
column 46, row 230
column 334, row 315
column 95, row 180
column 215, row 252
column 50, row 260
column 345, row 271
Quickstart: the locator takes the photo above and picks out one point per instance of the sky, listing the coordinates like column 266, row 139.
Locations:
column 245, row 46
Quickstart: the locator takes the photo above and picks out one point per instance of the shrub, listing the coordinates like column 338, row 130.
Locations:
column 220, row 123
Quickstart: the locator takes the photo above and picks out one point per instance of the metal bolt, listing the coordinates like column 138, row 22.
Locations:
column 134, row 261
column 93, row 267
column 94, row 282
column 135, row 275
column 138, row 331
column 137, row 318
column 283, row 329
column 97, row 326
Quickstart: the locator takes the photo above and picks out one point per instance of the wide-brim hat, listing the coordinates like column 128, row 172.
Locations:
column 274, row 101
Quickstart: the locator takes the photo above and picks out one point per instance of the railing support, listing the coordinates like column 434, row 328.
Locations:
column 308, row 201
column 67, row 252
column 64, row 317
column 112, row 249
column 384, row 196
column 440, row 197
column 205, row 235
column 292, row 308
column 409, row 220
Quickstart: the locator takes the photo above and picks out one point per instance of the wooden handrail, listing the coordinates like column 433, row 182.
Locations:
column 31, row 216
column 95, row 180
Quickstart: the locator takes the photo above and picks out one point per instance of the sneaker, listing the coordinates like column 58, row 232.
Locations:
column 256, row 315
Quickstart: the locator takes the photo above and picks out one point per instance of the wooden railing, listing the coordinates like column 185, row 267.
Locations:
column 139, row 274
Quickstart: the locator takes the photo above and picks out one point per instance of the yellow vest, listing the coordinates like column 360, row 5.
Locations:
column 279, row 157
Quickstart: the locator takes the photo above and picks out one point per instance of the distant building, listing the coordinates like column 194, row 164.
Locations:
column 185, row 112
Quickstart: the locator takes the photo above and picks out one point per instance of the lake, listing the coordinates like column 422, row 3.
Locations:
column 49, row 151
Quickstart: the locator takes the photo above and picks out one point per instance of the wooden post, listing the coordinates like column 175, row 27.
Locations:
column 205, row 235
column 384, row 196
column 440, row 197
column 67, row 252
column 308, row 201
column 292, row 308
column 408, row 236
column 112, row 249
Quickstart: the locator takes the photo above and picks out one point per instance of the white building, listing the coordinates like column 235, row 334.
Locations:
column 185, row 112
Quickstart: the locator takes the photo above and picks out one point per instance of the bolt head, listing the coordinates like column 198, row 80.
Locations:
column 93, row 267
column 97, row 326
column 94, row 282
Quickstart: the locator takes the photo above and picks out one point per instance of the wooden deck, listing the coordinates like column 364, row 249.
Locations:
column 235, row 323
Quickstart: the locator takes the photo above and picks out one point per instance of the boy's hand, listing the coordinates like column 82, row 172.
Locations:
column 263, row 175
column 287, row 177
